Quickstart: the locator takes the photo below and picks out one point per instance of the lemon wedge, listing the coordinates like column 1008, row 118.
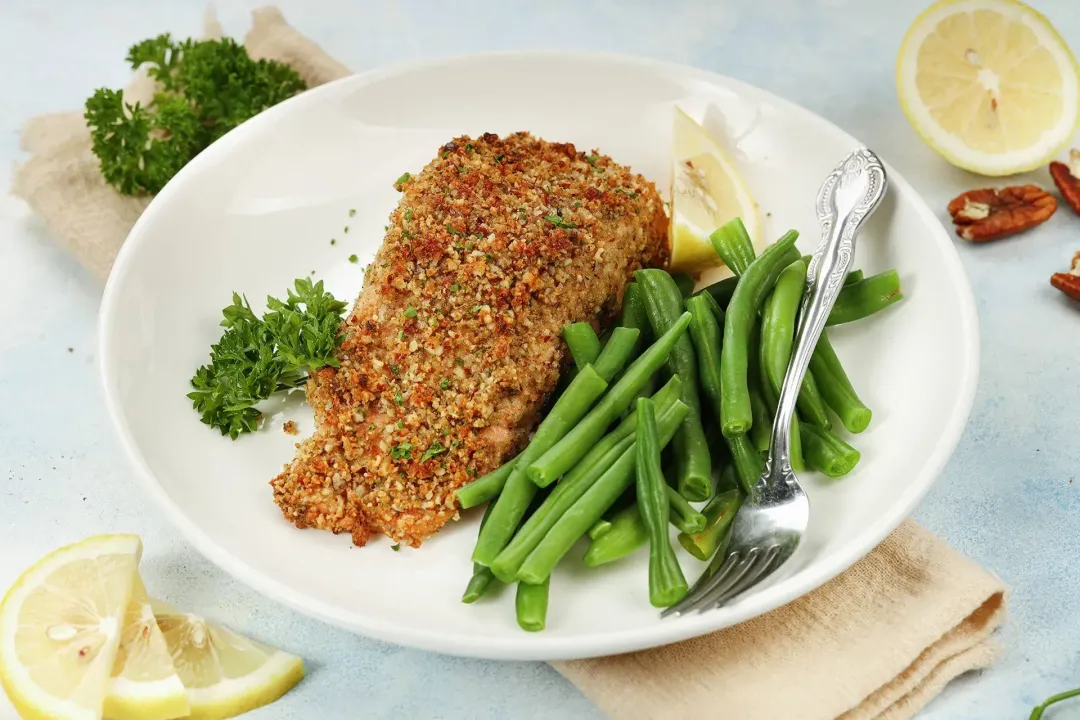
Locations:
column 61, row 624
column 989, row 84
column 225, row 674
column 706, row 192
column 144, row 684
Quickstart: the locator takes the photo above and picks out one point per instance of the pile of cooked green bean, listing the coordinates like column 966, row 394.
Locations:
column 672, row 408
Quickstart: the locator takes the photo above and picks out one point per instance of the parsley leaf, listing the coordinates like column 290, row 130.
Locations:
column 206, row 88
column 401, row 451
column 257, row 357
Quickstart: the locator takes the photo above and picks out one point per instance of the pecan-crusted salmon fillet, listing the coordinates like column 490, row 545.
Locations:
column 455, row 340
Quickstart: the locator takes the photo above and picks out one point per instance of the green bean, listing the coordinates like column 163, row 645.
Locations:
column 664, row 304
column 826, row 452
column 727, row 480
column 481, row 576
column 836, row 387
column 733, row 244
column 761, row 429
column 599, row 529
column 666, row 395
column 747, row 461
column 706, row 336
column 591, row 506
column 633, row 316
column 667, row 584
column 564, row 454
column 853, row 277
column 683, row 515
column 484, row 488
column 576, row 483
column 583, row 343
column 778, row 337
column 719, row 514
column 531, row 603
column 518, row 492
column 685, row 283
column 626, row 535
column 866, row 297
column 754, row 285
column 795, row 451
column 721, row 291
column 616, row 353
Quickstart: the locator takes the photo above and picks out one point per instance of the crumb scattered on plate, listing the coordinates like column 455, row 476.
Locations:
column 290, row 427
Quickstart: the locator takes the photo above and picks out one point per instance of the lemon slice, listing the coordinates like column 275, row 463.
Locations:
column 225, row 674
column 144, row 684
column 60, row 627
column 706, row 192
column 989, row 84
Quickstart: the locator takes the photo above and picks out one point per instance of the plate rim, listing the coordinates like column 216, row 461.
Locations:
column 540, row 646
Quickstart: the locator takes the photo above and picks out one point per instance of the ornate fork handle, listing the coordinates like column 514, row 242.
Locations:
column 846, row 198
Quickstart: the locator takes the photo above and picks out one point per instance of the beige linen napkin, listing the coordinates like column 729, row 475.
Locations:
column 879, row 641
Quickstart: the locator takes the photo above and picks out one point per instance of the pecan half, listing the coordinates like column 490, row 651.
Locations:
column 1069, row 282
column 1067, row 179
column 989, row 214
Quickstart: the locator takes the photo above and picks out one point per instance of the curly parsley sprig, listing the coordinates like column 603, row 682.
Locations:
column 257, row 357
column 205, row 89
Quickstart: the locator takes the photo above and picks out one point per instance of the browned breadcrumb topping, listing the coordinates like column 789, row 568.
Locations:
column 454, row 342
column 290, row 427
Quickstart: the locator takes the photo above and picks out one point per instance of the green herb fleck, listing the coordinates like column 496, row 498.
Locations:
column 499, row 157
column 628, row 193
column 352, row 212
column 398, row 399
column 469, row 247
column 408, row 215
column 460, row 362
column 452, row 231
column 591, row 159
column 346, row 230
column 455, row 288
column 489, row 257
column 560, row 222
column 400, row 334
column 476, row 309
column 434, row 449
column 444, row 383
column 410, row 312
column 396, row 547
column 577, row 203
column 469, row 147
column 405, row 177
column 400, row 424
column 333, row 241
column 354, row 259
column 394, row 369
column 401, row 451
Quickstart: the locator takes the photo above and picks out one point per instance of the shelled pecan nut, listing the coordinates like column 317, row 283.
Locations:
column 1069, row 282
column 989, row 214
column 1067, row 179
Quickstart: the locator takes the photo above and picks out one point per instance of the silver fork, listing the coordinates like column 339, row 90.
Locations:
column 775, row 515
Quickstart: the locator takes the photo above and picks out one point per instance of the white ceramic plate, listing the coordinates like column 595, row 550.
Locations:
column 259, row 208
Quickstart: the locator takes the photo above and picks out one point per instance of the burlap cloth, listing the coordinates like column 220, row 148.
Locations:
column 879, row 641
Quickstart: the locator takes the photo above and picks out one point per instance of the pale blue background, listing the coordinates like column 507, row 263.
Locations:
column 1007, row 499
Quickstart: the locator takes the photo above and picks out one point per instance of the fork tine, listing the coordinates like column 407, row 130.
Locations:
column 733, row 579
column 704, row 584
column 760, row 571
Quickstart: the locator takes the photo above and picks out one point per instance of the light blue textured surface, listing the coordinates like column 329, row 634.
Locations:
column 1007, row 498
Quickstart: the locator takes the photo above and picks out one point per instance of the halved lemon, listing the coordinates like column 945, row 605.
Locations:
column 60, row 627
column 144, row 684
column 989, row 84
column 225, row 674
column 706, row 192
